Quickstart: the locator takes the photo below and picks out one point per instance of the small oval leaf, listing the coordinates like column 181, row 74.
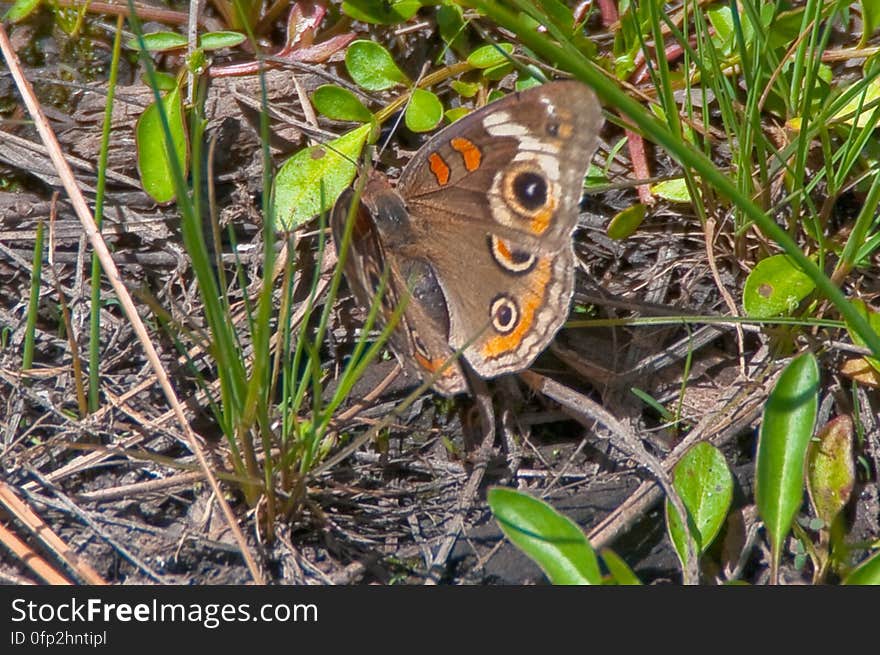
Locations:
column 775, row 286
column 159, row 42
column 525, row 81
column 673, row 190
column 705, row 485
column 218, row 40
column 831, row 471
column 455, row 113
column 311, row 180
column 424, row 111
column 387, row 12
column 786, row 429
column 465, row 89
column 552, row 540
column 626, row 222
column 489, row 56
column 861, row 371
column 452, row 27
column 154, row 165
column 340, row 104
column 372, row 67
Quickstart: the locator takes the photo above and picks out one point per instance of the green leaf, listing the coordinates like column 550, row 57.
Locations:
column 372, row 67
column 775, row 286
column 673, row 191
column 153, row 162
column 424, row 111
column 381, row 12
column 218, row 40
column 873, row 319
column 165, row 41
column 861, row 103
column 867, row 573
column 452, row 27
column 340, row 104
column 705, row 485
column 626, row 222
column 786, row 429
column 490, row 56
column 159, row 42
column 495, row 94
column 164, row 81
column 455, row 113
column 831, row 471
column 595, row 177
column 524, row 82
column 552, row 540
column 620, row 571
column 20, row 10
column 498, row 72
column 465, row 89
column 870, row 20
column 721, row 19
column 311, row 180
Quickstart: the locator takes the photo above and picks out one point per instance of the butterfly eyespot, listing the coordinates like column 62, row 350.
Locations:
column 510, row 258
column 505, row 314
column 530, row 190
column 552, row 128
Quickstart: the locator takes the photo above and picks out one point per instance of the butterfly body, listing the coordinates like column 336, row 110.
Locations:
column 476, row 236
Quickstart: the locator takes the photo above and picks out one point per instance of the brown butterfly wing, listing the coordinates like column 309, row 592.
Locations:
column 493, row 200
column 420, row 338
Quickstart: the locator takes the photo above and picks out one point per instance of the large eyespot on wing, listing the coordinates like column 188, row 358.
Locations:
column 518, row 163
column 521, row 315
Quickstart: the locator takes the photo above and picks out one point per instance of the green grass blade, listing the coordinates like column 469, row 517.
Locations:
column 27, row 358
column 95, row 304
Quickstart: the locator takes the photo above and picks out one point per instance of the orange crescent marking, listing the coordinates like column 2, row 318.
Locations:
column 501, row 344
column 469, row 152
column 541, row 220
column 439, row 168
column 503, row 250
column 434, row 365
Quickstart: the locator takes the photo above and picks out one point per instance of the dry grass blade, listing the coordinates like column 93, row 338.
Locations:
column 27, row 555
column 44, row 533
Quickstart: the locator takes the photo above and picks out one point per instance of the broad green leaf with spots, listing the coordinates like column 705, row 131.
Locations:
column 775, row 286
column 372, row 67
column 310, row 182
column 705, row 485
